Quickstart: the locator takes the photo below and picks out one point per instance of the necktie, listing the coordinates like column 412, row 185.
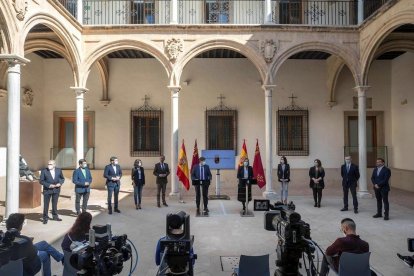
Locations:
column 347, row 168
column 162, row 166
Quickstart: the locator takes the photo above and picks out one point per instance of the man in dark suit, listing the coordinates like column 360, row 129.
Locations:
column 201, row 177
column 380, row 179
column 350, row 176
column 82, row 179
column 113, row 174
column 51, row 179
column 161, row 171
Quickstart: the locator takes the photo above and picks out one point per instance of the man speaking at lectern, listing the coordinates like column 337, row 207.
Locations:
column 201, row 176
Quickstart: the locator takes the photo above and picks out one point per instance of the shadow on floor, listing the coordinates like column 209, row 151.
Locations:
column 96, row 208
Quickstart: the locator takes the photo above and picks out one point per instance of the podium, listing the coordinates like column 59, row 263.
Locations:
column 29, row 194
column 247, row 212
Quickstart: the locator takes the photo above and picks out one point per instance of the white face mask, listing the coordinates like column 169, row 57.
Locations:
column 348, row 162
column 316, row 164
column 282, row 161
column 246, row 164
column 203, row 163
column 116, row 162
column 139, row 164
column 50, row 167
column 84, row 166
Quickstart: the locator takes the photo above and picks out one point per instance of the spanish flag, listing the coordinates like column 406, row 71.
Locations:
column 182, row 168
column 258, row 171
column 243, row 154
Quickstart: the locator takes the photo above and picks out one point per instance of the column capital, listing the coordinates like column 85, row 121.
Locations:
column 361, row 89
column 174, row 89
column 80, row 91
column 269, row 86
column 14, row 59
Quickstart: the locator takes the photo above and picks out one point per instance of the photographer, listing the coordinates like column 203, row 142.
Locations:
column 78, row 233
column 351, row 243
column 39, row 254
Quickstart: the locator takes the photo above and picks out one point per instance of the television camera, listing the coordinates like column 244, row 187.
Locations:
column 103, row 254
column 408, row 260
column 177, row 246
column 294, row 240
column 12, row 247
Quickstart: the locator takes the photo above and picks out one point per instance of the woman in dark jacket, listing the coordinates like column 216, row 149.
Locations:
column 138, row 181
column 316, row 175
column 283, row 175
column 245, row 176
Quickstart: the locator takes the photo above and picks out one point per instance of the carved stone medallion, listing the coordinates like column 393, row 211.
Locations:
column 20, row 6
column 268, row 49
column 173, row 48
column 28, row 97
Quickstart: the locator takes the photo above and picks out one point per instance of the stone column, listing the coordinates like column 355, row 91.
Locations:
column 174, row 12
column 269, row 193
column 175, row 93
column 268, row 12
column 79, row 11
column 13, row 131
column 80, row 147
column 362, row 141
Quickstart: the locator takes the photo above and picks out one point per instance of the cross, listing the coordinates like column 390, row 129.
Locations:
column 292, row 99
column 221, row 98
column 145, row 99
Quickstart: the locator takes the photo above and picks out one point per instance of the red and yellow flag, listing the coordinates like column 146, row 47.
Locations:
column 258, row 171
column 195, row 160
column 243, row 153
column 182, row 168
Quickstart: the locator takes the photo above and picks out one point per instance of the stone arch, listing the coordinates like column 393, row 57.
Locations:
column 349, row 58
column 368, row 56
column 63, row 34
column 207, row 45
column 7, row 29
column 102, row 50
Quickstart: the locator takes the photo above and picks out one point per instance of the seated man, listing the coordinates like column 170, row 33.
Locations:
column 40, row 252
column 351, row 243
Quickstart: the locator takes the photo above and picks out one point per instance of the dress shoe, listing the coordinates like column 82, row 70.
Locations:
column 165, row 204
column 386, row 217
column 57, row 219
column 158, row 205
column 117, row 210
column 356, row 211
column 315, row 205
column 45, row 221
column 344, row 209
column 110, row 211
column 206, row 210
column 78, row 213
column 136, row 206
column 139, row 206
column 319, row 205
column 198, row 211
column 377, row 216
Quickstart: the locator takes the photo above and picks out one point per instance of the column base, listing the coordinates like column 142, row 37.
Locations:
column 364, row 194
column 271, row 195
column 175, row 195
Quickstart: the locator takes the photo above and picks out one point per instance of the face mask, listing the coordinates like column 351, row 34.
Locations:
column 348, row 162
column 115, row 162
column 50, row 167
column 246, row 164
column 203, row 163
column 139, row 164
column 316, row 164
column 84, row 166
column 282, row 161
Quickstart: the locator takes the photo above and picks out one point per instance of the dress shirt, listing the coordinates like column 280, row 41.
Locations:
column 52, row 173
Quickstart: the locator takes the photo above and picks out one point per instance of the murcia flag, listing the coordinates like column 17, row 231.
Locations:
column 195, row 160
column 258, row 171
column 182, row 168
column 243, row 154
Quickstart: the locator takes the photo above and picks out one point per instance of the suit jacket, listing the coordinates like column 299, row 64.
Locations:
column 135, row 176
column 109, row 173
column 285, row 174
column 196, row 176
column 79, row 180
column 382, row 180
column 46, row 180
column 351, row 177
column 240, row 176
column 312, row 174
column 158, row 171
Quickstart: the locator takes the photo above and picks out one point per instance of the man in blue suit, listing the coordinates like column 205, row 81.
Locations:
column 350, row 176
column 51, row 179
column 113, row 174
column 82, row 179
column 380, row 179
column 201, row 177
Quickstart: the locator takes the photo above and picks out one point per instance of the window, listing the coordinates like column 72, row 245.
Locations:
column 143, row 12
column 221, row 132
column 146, row 132
column 293, row 132
column 217, row 11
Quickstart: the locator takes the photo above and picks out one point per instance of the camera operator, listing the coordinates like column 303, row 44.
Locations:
column 39, row 254
column 351, row 243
